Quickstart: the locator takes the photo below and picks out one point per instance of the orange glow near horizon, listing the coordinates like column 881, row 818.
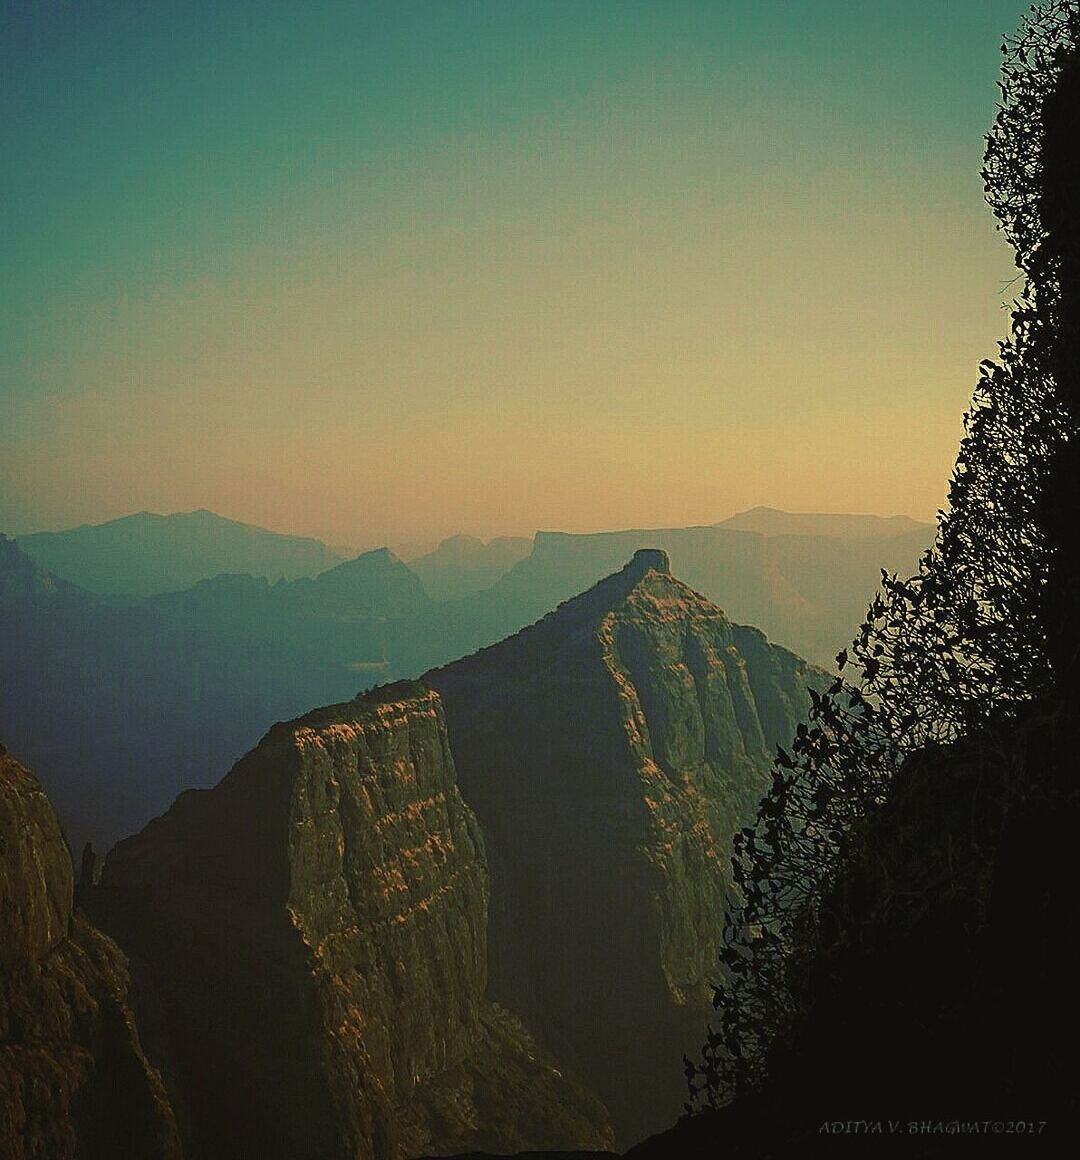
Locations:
column 712, row 273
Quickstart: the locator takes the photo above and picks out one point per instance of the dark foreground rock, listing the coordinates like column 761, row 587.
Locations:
column 74, row 1081
column 942, row 1009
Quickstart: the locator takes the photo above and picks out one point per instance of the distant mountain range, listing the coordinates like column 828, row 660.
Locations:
column 461, row 565
column 806, row 590
column 123, row 706
column 772, row 522
column 144, row 554
column 121, row 703
column 147, row 554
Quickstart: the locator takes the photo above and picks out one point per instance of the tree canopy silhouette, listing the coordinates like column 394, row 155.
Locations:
column 991, row 622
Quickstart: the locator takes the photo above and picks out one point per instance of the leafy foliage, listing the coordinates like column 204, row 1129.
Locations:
column 988, row 623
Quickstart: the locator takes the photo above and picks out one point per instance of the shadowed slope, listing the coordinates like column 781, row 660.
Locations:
column 73, row 1078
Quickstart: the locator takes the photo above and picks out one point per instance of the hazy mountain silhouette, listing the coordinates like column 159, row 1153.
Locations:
column 773, row 522
column 123, row 707
column 464, row 564
column 807, row 592
column 144, row 554
column 374, row 586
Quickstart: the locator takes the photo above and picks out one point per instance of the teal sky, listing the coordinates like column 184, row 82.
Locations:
column 389, row 271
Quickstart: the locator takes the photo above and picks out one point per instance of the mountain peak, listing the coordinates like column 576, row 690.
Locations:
column 374, row 558
column 611, row 751
column 649, row 560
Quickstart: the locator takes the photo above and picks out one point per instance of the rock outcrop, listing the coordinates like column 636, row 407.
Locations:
column 74, row 1081
column 316, row 926
column 610, row 752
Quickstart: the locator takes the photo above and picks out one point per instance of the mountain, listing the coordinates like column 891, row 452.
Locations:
column 121, row 705
column 369, row 590
column 143, row 554
column 316, row 929
column 772, row 522
column 317, row 924
column 809, row 592
column 610, row 752
column 74, row 1080
column 121, row 708
column 464, row 564
column 375, row 584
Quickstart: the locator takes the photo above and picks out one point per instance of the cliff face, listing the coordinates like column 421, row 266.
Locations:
column 316, row 927
column 73, row 1077
column 610, row 751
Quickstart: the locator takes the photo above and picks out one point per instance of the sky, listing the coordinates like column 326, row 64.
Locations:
column 380, row 272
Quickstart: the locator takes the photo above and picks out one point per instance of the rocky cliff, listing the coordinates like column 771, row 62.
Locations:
column 317, row 929
column 610, row 751
column 73, row 1077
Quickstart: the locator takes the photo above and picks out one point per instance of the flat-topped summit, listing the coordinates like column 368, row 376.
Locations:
column 649, row 559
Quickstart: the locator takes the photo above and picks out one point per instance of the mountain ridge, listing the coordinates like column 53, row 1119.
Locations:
column 146, row 553
column 770, row 521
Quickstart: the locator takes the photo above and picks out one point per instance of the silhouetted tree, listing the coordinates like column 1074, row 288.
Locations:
column 991, row 621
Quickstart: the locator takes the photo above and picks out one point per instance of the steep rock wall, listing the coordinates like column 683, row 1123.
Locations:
column 316, row 926
column 74, row 1081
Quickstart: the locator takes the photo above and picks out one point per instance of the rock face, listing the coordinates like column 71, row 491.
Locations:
column 610, row 751
column 316, row 926
column 73, row 1077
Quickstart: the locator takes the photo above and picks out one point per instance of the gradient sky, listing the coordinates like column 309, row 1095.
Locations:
column 386, row 271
